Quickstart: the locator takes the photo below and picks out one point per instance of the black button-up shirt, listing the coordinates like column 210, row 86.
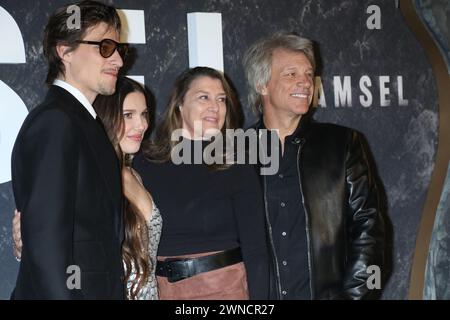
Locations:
column 287, row 218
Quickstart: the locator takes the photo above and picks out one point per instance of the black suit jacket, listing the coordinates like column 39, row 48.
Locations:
column 66, row 182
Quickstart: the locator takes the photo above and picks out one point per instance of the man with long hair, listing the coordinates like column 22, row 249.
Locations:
column 322, row 206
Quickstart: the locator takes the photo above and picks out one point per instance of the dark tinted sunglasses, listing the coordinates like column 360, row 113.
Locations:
column 108, row 46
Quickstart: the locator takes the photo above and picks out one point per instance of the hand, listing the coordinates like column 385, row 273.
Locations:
column 17, row 238
column 136, row 193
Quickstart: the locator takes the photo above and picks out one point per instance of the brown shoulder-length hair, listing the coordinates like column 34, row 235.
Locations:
column 134, row 247
column 160, row 148
column 59, row 30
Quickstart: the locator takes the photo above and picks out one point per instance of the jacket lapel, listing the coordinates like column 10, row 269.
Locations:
column 102, row 149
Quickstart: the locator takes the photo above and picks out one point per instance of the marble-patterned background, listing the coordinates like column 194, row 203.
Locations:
column 435, row 15
column 437, row 274
column 403, row 138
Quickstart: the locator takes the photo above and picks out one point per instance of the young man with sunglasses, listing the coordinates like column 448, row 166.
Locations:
column 66, row 177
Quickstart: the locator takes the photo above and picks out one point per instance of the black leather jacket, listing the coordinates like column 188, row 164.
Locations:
column 344, row 225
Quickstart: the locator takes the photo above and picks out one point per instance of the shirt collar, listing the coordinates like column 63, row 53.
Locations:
column 77, row 94
column 299, row 133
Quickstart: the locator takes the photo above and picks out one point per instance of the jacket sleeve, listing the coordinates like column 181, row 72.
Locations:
column 44, row 181
column 365, row 224
column 249, row 213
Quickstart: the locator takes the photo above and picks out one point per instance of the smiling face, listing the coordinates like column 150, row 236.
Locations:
column 291, row 87
column 86, row 69
column 204, row 104
column 135, row 122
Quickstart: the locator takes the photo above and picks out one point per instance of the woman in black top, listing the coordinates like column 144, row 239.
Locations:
column 213, row 243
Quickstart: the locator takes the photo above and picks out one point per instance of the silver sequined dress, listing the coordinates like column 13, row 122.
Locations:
column 150, row 290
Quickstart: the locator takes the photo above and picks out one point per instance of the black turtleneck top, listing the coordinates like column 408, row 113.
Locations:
column 205, row 210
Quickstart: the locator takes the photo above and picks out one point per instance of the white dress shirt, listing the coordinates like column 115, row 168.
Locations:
column 77, row 94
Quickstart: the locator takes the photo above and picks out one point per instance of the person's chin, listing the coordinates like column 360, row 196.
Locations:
column 108, row 85
column 130, row 149
column 300, row 110
column 107, row 90
column 211, row 130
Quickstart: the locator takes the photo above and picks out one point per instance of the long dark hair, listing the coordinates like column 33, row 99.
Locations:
column 134, row 247
column 159, row 150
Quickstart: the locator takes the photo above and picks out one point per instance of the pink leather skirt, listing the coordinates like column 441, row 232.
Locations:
column 227, row 283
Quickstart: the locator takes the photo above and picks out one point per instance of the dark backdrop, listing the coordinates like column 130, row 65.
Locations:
column 403, row 138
